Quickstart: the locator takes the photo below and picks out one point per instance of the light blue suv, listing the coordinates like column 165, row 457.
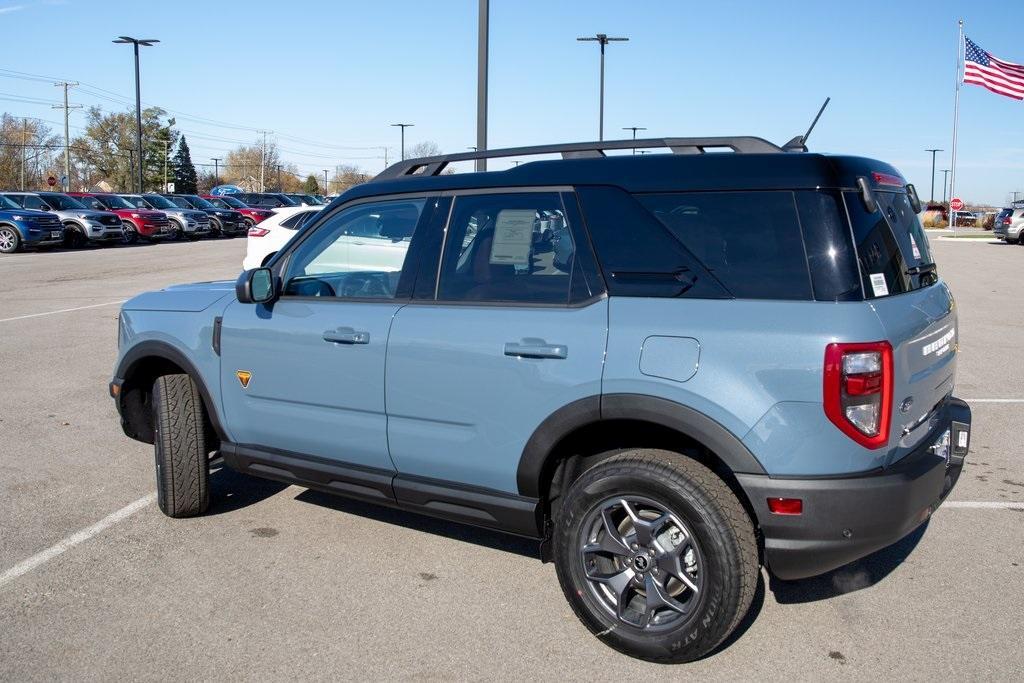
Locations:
column 669, row 369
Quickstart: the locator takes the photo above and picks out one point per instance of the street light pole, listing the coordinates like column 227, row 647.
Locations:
column 933, row 151
column 482, row 39
column 136, row 42
column 945, row 176
column 634, row 129
column 403, row 126
column 327, row 184
column 602, row 39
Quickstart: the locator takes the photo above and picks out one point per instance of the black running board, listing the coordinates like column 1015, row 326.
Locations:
column 436, row 498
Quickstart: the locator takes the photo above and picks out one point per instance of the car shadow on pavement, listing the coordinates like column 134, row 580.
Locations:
column 431, row 525
column 857, row 575
column 230, row 490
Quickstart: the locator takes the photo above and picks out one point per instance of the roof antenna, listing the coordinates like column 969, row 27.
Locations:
column 799, row 143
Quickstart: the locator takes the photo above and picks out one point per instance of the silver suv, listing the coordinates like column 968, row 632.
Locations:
column 1008, row 225
column 81, row 224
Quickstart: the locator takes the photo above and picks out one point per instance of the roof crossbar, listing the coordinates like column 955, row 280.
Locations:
column 429, row 166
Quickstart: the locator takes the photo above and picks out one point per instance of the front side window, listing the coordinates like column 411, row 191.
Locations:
column 181, row 202
column 508, row 248
column 33, row 202
column 334, row 262
column 155, row 201
column 93, row 203
column 219, row 203
column 112, row 201
column 750, row 241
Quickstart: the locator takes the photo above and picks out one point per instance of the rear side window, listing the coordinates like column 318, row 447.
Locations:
column 508, row 248
column 830, row 255
column 93, row 203
column 295, row 222
column 892, row 248
column 750, row 241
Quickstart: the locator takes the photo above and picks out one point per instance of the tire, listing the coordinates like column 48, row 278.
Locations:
column 179, row 232
column 248, row 223
column 129, row 235
column 10, row 239
column 180, row 447
column 715, row 551
column 74, row 237
column 215, row 230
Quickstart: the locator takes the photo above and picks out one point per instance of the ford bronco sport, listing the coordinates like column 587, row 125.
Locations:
column 717, row 361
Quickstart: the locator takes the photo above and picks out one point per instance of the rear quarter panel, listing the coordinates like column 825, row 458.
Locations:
column 759, row 372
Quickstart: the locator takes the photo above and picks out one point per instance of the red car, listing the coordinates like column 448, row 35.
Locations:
column 252, row 214
column 135, row 222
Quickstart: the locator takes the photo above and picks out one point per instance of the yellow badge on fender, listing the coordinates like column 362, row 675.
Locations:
column 243, row 376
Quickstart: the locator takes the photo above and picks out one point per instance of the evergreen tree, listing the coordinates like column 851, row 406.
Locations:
column 185, row 179
column 312, row 185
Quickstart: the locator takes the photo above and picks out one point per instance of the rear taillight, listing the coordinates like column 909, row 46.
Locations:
column 858, row 390
column 258, row 232
column 1007, row 221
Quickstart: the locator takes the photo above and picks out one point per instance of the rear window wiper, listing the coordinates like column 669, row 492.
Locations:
column 921, row 269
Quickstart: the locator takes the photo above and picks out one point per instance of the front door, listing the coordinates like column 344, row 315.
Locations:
column 512, row 331
column 305, row 374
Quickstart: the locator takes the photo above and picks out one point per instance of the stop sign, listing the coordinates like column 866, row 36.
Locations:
column 956, row 204
column 51, row 181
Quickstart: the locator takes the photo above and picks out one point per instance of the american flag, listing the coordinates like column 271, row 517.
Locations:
column 1002, row 78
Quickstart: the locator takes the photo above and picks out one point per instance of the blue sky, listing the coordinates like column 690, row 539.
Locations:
column 330, row 75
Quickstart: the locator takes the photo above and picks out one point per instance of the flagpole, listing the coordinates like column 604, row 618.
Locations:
column 956, row 120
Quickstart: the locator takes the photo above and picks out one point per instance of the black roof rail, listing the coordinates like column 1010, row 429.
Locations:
column 429, row 166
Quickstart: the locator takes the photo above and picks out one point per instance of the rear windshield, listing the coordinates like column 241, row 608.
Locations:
column 892, row 247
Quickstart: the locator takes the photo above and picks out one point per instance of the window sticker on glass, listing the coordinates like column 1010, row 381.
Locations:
column 878, row 284
column 513, row 236
column 913, row 246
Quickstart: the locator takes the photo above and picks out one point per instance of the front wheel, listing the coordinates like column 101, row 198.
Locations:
column 180, row 447
column 10, row 240
column 656, row 555
column 129, row 234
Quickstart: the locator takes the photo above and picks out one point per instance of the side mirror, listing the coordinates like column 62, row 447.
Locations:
column 255, row 286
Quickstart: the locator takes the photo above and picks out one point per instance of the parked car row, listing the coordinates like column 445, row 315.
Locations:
column 76, row 219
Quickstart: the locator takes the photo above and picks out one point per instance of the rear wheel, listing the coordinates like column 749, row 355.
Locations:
column 10, row 240
column 656, row 555
column 180, row 447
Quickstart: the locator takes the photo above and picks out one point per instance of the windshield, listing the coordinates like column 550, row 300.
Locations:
column 136, row 201
column 62, row 202
column 112, row 201
column 6, row 203
column 159, row 202
column 180, row 202
column 234, row 203
column 199, row 202
column 219, row 203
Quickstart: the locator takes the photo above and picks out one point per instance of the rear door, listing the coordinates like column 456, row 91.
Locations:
column 915, row 307
column 506, row 336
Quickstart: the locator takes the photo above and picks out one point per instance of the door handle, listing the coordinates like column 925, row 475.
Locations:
column 536, row 348
column 347, row 335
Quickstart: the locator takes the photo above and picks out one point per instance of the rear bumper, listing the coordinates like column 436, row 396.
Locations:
column 846, row 518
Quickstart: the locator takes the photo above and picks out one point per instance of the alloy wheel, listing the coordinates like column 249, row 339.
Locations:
column 8, row 240
column 641, row 562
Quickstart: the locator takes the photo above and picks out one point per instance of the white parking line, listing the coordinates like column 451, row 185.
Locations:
column 25, row 566
column 994, row 400
column 983, row 504
column 63, row 310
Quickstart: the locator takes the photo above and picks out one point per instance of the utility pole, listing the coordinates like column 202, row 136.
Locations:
column 216, row 168
column 602, row 39
column 24, row 142
column 263, row 159
column 385, row 157
column 327, row 186
column 67, row 137
column 945, row 175
column 280, row 187
column 933, row 151
column 403, row 126
column 166, row 145
column 136, row 42
column 634, row 129
column 482, row 40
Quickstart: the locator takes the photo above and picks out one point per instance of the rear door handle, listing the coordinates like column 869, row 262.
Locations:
column 536, row 348
column 347, row 335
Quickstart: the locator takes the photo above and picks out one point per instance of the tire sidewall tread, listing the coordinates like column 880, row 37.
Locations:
column 180, row 447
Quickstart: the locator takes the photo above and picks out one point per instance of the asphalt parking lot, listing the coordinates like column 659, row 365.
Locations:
column 279, row 582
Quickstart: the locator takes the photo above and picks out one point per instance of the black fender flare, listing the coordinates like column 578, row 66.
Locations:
column 683, row 419
column 153, row 348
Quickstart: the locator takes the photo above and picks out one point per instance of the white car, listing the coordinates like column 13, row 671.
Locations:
column 269, row 235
